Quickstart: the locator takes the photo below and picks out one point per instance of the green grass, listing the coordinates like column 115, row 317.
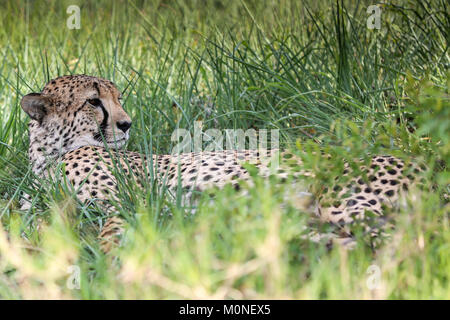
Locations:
column 311, row 69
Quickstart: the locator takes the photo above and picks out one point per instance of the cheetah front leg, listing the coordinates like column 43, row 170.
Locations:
column 112, row 230
column 111, row 233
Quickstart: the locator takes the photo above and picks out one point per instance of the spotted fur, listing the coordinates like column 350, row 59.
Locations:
column 74, row 116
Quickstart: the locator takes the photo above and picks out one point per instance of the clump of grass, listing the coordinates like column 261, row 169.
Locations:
column 312, row 70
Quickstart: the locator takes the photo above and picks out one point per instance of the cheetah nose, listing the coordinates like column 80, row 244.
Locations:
column 123, row 125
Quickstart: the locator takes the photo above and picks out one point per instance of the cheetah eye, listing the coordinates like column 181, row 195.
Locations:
column 95, row 102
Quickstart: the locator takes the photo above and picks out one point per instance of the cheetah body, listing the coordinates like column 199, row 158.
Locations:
column 74, row 116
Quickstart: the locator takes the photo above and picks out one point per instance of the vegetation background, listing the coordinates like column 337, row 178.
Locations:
column 312, row 69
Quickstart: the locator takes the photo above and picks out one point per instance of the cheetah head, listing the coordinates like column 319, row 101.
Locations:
column 72, row 112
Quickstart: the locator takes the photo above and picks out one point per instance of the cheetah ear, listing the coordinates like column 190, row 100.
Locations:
column 35, row 105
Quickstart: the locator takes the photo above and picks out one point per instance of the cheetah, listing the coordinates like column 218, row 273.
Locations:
column 74, row 118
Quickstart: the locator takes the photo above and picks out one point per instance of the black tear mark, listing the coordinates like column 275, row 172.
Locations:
column 103, row 125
